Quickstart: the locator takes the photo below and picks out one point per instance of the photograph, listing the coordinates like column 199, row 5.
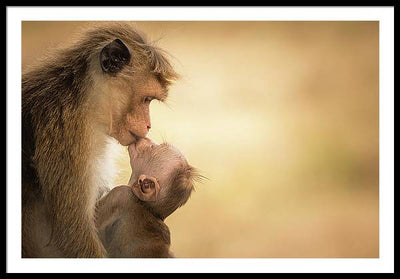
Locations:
column 279, row 120
column 200, row 139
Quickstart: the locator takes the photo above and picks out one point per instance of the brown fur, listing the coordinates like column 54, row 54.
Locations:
column 128, row 229
column 69, row 111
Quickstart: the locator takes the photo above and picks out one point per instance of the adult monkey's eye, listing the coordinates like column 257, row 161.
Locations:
column 148, row 99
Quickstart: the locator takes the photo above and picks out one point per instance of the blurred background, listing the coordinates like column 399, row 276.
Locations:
column 281, row 117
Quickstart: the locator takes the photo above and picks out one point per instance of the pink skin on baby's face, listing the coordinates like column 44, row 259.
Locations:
column 156, row 160
column 140, row 145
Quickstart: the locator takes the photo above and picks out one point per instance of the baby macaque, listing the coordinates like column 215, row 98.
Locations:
column 130, row 219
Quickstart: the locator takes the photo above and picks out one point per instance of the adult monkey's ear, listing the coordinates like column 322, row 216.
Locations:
column 114, row 56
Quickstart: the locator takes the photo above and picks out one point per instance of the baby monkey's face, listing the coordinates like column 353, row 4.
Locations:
column 154, row 167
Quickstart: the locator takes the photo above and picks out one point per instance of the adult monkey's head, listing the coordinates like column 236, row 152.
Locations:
column 128, row 74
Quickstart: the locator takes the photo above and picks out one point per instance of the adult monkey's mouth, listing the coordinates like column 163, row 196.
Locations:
column 135, row 137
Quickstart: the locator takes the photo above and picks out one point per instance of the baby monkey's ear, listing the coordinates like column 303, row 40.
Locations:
column 146, row 188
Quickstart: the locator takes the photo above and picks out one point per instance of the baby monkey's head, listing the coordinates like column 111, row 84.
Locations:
column 161, row 176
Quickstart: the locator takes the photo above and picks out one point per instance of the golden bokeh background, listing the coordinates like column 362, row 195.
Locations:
column 282, row 118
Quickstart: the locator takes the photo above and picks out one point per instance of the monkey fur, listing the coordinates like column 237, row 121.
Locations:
column 73, row 102
column 131, row 218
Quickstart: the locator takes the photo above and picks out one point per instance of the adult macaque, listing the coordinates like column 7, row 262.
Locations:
column 73, row 102
column 130, row 218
